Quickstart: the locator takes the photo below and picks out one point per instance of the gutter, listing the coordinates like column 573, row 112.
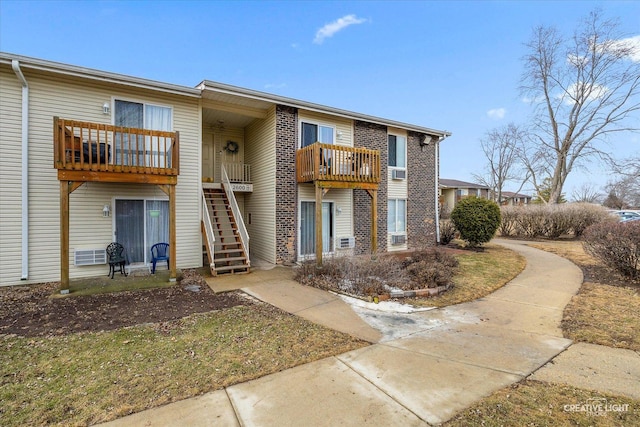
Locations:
column 25, row 169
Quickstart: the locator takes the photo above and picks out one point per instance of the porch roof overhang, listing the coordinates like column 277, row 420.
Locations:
column 263, row 101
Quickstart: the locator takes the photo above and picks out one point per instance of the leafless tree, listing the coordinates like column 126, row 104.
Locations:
column 586, row 193
column 583, row 89
column 623, row 193
column 500, row 147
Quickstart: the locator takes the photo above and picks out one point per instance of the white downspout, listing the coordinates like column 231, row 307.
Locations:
column 25, row 169
column 437, row 184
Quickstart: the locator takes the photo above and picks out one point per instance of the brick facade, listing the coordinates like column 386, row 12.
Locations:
column 374, row 137
column 286, row 185
column 422, row 191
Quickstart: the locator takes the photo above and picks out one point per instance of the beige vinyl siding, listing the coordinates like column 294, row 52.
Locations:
column 341, row 198
column 397, row 189
column 10, row 177
column 344, row 127
column 79, row 99
column 260, row 153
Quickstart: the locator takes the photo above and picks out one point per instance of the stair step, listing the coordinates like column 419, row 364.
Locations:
column 228, row 251
column 233, row 268
column 230, row 259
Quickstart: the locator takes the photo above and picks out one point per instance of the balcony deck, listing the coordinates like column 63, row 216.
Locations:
column 335, row 166
column 85, row 151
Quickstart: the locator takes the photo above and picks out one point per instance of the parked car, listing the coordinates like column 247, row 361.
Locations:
column 624, row 215
column 631, row 218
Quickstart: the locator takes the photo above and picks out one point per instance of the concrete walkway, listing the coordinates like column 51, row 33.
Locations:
column 425, row 367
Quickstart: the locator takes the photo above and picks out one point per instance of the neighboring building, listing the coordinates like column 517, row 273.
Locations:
column 515, row 199
column 90, row 157
column 452, row 191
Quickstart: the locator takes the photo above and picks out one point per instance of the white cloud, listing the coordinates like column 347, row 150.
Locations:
column 589, row 93
column 341, row 23
column 634, row 44
column 496, row 113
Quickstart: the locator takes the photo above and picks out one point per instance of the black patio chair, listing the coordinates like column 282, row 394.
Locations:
column 116, row 257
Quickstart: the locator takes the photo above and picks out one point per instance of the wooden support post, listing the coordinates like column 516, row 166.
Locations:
column 172, row 233
column 318, row 225
column 374, row 220
column 64, row 236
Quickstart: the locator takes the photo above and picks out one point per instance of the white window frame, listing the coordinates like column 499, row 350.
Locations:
column 333, row 242
column 145, row 199
column 318, row 124
column 149, row 144
column 395, row 230
column 144, row 109
column 404, row 138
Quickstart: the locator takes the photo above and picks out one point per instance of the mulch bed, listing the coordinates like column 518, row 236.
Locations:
column 31, row 311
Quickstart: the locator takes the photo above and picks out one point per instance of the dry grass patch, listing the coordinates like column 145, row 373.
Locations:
column 534, row 403
column 87, row 378
column 605, row 315
column 478, row 274
column 606, row 310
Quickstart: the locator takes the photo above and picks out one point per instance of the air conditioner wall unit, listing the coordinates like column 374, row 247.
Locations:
column 347, row 242
column 399, row 174
column 89, row 256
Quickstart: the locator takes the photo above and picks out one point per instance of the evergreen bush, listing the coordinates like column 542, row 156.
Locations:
column 476, row 219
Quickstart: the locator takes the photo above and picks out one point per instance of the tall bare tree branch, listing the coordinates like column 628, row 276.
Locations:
column 584, row 90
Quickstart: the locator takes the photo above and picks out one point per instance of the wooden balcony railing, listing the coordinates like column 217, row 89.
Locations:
column 338, row 164
column 96, row 147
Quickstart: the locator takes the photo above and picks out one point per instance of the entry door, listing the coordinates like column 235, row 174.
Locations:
column 208, row 155
column 308, row 228
column 139, row 225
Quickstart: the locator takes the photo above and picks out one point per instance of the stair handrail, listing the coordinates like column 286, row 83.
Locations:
column 235, row 209
column 208, row 227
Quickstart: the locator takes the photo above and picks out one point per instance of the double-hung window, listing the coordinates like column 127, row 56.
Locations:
column 397, row 216
column 397, row 151
column 312, row 133
column 142, row 151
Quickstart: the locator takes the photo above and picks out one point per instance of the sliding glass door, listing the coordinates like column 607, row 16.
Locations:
column 308, row 228
column 139, row 225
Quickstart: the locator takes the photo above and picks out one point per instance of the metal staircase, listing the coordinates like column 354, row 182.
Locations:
column 225, row 237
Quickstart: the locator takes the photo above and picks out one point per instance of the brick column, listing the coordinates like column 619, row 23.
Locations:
column 286, row 185
column 374, row 137
column 422, row 191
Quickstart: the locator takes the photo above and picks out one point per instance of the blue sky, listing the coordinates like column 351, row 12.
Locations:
column 452, row 65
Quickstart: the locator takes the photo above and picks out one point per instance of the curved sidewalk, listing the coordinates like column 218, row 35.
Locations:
column 446, row 361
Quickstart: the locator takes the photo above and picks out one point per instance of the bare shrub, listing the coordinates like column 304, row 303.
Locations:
column 550, row 221
column 616, row 245
column 584, row 215
column 375, row 275
column 430, row 268
column 447, row 232
column 508, row 223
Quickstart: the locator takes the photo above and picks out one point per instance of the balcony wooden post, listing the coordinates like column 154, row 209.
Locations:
column 318, row 225
column 64, row 236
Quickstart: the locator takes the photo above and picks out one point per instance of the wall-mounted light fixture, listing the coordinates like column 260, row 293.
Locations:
column 106, row 108
column 339, row 134
column 106, row 211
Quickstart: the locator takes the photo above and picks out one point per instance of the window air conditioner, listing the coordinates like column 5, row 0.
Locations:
column 347, row 242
